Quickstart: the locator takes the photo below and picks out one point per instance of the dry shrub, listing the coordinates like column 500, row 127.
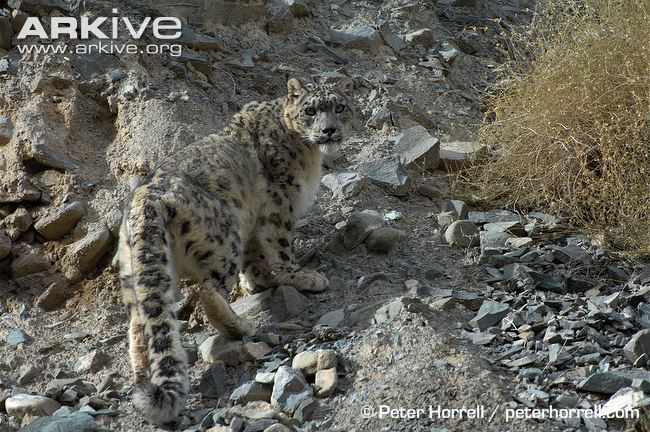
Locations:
column 570, row 120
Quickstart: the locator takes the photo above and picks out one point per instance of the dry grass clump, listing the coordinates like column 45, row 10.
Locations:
column 571, row 119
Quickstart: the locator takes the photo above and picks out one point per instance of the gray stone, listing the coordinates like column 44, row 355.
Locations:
column 479, row 338
column 315, row 44
column 612, row 381
column 494, row 240
column 16, row 337
column 579, row 284
column 530, row 373
column 56, row 387
column 361, row 37
column 51, row 158
column 92, row 362
column 515, row 228
column 259, row 425
column 63, row 422
column 436, row 67
column 29, row 263
column 492, row 216
column 383, row 240
column 457, row 206
column 457, row 3
column 216, row 348
column 388, row 173
column 345, row 184
column 422, row 38
column 533, row 279
column 192, row 354
column 20, row 220
column 250, row 306
column 488, row 253
column 4, row 65
column 490, row 314
column 305, row 410
column 278, row 427
column 332, row 319
column 445, row 219
column 390, row 311
column 625, row 399
column 5, row 245
column 84, row 254
column 380, row 117
column 52, row 297
column 470, row 300
column 280, row 13
column 39, row 7
column 617, row 274
column 228, row 12
column 113, row 222
column 92, row 65
column 462, row 233
column 251, row 391
column 457, row 155
column 60, row 221
column 326, row 359
column 6, row 33
column 27, row 374
column 359, row 226
column 254, row 411
column 289, row 389
column 299, row 8
column 255, row 350
column 449, row 51
column 418, row 149
column 287, row 302
column 263, row 377
column 306, row 362
column 519, row 242
column 6, row 127
column 278, row 16
column 22, row 404
column 270, row 338
column 638, row 346
column 594, row 424
column 366, row 280
column 325, row 382
column 569, row 254
column 391, row 39
column 444, row 304
column 200, row 41
column 213, row 381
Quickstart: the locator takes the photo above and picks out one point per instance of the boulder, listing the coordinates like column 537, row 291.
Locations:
column 360, row 37
column 388, row 173
column 417, row 149
column 60, row 221
column 289, row 389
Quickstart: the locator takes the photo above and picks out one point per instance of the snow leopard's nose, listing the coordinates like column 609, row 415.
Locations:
column 329, row 131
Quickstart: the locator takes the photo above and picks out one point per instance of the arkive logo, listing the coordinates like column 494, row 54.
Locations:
column 82, row 28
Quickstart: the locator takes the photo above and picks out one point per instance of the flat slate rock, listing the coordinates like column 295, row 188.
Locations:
column 612, row 381
column 490, row 314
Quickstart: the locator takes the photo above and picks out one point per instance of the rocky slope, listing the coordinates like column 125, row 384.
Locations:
column 431, row 302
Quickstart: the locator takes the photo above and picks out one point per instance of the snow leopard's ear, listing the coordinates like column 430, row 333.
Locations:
column 346, row 86
column 295, row 88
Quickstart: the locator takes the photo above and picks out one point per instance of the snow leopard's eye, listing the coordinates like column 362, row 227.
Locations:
column 310, row 111
column 340, row 108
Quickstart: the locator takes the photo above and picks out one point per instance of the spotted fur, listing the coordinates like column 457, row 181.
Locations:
column 221, row 210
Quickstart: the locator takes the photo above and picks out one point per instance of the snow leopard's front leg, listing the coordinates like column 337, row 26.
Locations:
column 274, row 234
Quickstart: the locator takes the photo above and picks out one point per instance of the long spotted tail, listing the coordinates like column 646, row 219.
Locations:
column 158, row 358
